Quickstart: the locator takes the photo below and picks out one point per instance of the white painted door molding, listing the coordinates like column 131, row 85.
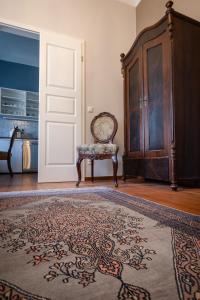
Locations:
column 54, row 110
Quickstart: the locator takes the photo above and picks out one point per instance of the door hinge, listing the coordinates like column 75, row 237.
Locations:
column 82, row 58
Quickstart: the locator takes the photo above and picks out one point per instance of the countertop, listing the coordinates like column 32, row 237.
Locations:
column 22, row 138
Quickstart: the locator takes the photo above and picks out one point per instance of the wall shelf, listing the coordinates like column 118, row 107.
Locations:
column 18, row 103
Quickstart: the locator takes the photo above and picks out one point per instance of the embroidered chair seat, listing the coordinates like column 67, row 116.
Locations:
column 98, row 149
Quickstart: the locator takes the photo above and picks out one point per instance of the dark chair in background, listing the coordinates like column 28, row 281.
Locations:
column 103, row 128
column 7, row 155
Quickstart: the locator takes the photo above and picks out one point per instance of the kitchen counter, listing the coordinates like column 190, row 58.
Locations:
column 22, row 138
column 24, row 154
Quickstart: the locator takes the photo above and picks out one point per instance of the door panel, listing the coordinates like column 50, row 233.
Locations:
column 60, row 155
column 60, row 107
column 134, row 108
column 155, row 89
column 62, row 59
column 156, row 97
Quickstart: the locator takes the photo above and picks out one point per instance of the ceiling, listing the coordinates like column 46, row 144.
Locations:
column 130, row 2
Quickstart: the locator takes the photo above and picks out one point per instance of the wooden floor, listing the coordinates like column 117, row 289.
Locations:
column 185, row 199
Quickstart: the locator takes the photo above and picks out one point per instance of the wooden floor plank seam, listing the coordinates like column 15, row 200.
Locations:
column 185, row 199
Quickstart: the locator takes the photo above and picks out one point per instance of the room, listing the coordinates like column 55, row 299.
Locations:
column 110, row 207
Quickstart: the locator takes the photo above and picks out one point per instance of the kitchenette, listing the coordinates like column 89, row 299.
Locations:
column 19, row 108
column 19, row 98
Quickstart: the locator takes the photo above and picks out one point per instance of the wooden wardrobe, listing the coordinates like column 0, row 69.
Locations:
column 162, row 102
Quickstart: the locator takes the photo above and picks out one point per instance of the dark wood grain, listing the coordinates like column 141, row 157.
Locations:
column 185, row 200
column 179, row 94
column 187, row 98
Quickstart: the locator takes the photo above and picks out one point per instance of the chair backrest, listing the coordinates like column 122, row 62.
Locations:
column 14, row 135
column 103, row 128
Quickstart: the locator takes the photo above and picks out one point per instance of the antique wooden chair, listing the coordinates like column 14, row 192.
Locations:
column 103, row 128
column 6, row 155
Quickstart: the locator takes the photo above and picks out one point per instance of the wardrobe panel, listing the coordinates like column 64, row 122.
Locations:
column 155, row 97
column 134, row 108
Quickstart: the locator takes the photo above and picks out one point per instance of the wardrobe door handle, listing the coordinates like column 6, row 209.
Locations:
column 141, row 102
column 146, row 100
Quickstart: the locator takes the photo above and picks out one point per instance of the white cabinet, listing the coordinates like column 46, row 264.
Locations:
column 16, row 160
column 19, row 103
column 32, row 104
column 13, row 102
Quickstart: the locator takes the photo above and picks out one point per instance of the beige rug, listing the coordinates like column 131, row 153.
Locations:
column 96, row 244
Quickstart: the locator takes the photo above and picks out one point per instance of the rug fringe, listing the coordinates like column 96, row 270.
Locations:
column 53, row 191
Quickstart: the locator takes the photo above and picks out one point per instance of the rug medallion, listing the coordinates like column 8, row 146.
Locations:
column 96, row 244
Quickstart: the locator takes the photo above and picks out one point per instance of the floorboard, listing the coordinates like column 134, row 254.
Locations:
column 186, row 199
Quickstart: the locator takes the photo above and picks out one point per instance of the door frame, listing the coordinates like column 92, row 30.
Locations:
column 37, row 30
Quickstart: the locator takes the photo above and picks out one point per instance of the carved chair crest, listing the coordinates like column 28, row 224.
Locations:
column 103, row 128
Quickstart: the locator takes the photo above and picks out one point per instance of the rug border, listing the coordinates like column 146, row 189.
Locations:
column 48, row 192
column 159, row 204
column 166, row 215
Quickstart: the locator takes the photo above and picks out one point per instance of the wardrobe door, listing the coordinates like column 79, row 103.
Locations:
column 156, row 96
column 135, row 137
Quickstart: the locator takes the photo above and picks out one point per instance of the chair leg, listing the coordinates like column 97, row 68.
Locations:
column 115, row 168
column 9, row 166
column 78, row 166
column 92, row 170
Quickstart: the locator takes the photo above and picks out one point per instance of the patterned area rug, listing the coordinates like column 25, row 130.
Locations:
column 96, row 244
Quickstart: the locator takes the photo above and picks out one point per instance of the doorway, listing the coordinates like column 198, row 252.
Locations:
column 60, row 104
column 19, row 97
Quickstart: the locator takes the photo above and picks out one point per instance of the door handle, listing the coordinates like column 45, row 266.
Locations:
column 141, row 102
column 146, row 100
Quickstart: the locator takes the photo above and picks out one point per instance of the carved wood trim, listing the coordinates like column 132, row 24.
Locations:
column 169, row 12
column 169, row 5
column 110, row 139
column 140, row 35
column 174, row 185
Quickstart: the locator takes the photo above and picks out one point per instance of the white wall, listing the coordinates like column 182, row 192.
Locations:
column 108, row 28
column 149, row 12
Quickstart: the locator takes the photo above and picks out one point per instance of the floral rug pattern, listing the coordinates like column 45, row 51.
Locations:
column 75, row 241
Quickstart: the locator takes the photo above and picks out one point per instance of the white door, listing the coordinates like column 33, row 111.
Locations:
column 60, row 107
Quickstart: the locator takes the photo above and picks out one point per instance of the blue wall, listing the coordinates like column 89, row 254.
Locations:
column 19, row 62
column 19, row 76
column 19, row 49
column 19, row 69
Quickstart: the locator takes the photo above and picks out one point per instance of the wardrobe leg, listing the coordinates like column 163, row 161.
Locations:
column 174, row 187
column 124, row 177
